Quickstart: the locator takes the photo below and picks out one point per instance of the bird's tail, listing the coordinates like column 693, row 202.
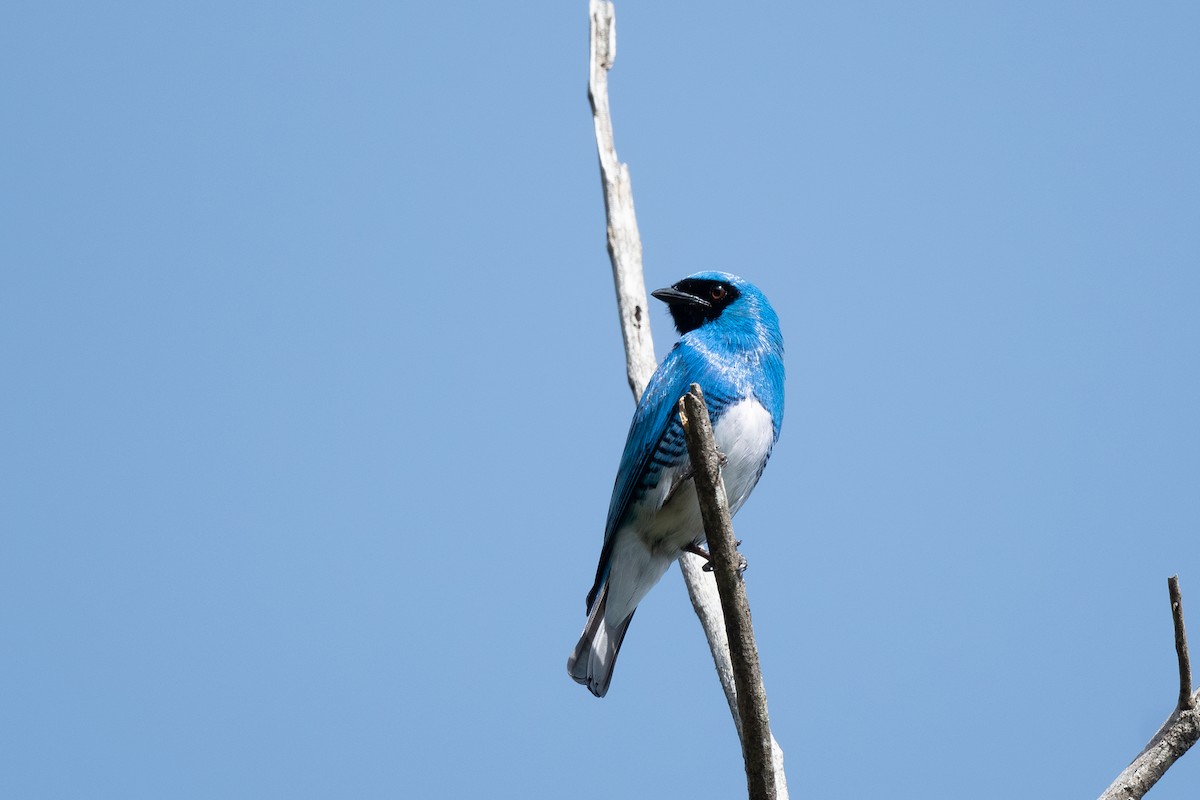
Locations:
column 592, row 661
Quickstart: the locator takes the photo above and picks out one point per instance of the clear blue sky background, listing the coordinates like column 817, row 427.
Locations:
column 314, row 393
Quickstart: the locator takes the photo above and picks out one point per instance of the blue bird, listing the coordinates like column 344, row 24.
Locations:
column 730, row 344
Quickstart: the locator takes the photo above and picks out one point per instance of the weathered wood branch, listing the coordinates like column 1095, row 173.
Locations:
column 727, row 569
column 625, row 252
column 1186, row 699
column 624, row 242
column 1177, row 734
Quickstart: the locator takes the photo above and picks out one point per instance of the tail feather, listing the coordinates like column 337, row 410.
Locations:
column 592, row 661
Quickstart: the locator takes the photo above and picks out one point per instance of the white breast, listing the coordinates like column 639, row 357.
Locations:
column 744, row 433
column 658, row 531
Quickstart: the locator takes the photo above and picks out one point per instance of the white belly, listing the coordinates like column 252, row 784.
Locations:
column 745, row 435
column 657, row 533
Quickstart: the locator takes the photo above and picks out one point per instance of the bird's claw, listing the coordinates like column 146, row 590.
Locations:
column 697, row 550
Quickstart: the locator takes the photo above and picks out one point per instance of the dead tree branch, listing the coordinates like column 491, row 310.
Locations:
column 722, row 548
column 1186, row 699
column 1177, row 734
column 624, row 242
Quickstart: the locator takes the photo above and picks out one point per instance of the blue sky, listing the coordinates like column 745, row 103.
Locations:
column 314, row 393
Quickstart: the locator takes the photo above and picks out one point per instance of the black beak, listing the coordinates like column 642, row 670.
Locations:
column 673, row 297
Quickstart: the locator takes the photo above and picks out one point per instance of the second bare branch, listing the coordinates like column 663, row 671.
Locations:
column 718, row 529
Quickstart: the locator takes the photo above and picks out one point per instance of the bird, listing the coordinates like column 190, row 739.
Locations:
column 731, row 345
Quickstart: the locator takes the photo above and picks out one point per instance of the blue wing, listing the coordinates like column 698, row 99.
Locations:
column 655, row 438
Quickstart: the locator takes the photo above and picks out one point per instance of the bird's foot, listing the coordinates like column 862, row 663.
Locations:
column 743, row 564
column 697, row 550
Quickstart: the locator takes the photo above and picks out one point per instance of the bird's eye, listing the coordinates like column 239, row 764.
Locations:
column 717, row 292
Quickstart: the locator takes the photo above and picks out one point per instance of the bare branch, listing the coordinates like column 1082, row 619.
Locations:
column 624, row 243
column 702, row 589
column 1186, row 700
column 722, row 548
column 625, row 251
column 1177, row 734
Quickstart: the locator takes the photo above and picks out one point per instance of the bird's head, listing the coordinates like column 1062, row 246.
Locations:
column 706, row 297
